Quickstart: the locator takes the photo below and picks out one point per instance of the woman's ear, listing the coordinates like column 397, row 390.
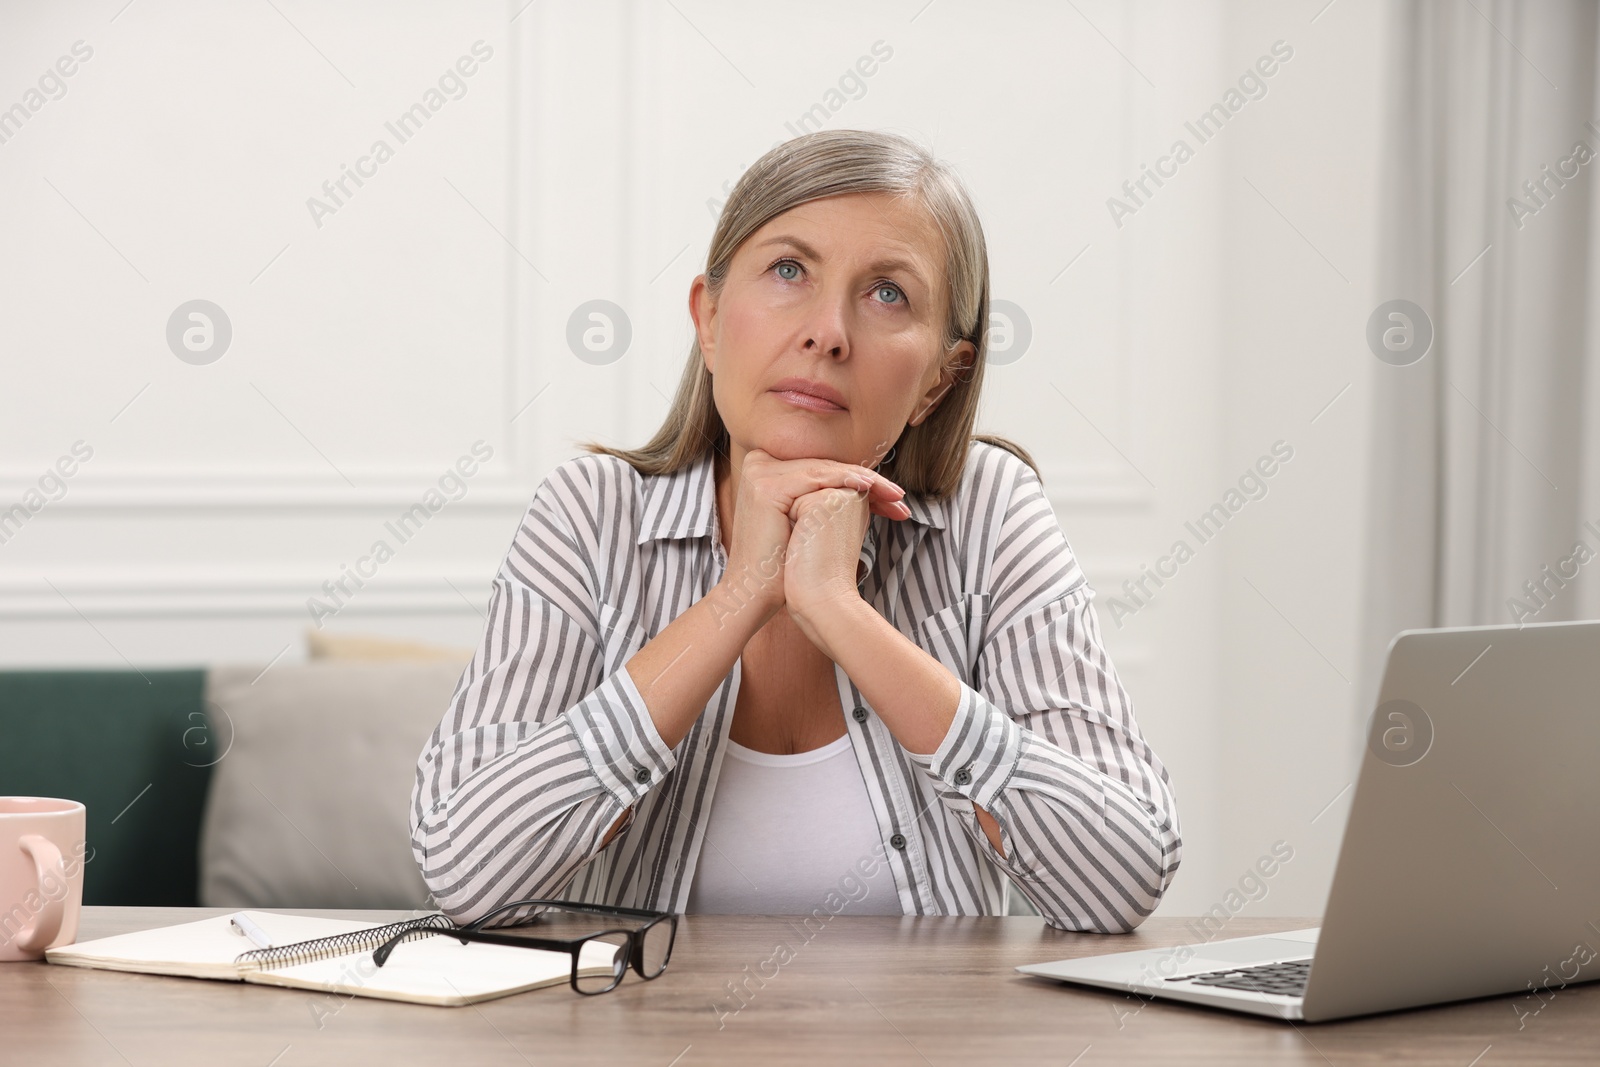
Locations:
column 703, row 311
column 963, row 355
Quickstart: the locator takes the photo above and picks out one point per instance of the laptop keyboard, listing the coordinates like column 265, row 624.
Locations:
column 1286, row 979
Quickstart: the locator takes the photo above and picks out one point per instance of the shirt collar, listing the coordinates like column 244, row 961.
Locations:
column 684, row 504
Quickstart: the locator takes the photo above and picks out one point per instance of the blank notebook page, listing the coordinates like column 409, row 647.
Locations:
column 429, row 970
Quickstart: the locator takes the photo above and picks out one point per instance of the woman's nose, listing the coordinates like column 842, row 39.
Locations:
column 827, row 332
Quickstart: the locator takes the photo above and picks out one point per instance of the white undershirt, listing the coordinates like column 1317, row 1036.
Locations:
column 788, row 831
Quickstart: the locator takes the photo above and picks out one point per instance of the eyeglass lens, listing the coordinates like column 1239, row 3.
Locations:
column 657, row 947
column 605, row 957
column 602, row 961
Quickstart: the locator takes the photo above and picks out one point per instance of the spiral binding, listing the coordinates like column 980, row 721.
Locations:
column 323, row 948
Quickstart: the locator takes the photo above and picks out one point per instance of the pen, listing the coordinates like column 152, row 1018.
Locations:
column 242, row 925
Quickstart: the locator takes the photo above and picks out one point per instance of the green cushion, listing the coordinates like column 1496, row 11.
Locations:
column 136, row 748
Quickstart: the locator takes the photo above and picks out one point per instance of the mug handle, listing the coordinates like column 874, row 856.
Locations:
column 44, row 928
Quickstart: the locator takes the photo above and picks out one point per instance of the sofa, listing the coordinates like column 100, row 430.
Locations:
column 238, row 785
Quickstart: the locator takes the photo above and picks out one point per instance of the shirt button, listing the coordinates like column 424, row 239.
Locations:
column 641, row 775
column 963, row 776
column 860, row 713
column 898, row 841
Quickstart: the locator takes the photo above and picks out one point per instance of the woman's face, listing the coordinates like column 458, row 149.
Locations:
column 844, row 293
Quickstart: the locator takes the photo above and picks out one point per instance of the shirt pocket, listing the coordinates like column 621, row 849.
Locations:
column 951, row 635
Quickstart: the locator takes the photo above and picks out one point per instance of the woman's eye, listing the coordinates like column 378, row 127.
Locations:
column 895, row 296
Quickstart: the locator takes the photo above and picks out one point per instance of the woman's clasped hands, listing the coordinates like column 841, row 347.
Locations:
column 798, row 527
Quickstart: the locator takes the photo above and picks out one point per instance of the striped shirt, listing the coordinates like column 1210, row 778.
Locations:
column 546, row 741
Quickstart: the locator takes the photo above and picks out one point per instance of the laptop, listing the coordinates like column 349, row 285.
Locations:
column 1469, row 865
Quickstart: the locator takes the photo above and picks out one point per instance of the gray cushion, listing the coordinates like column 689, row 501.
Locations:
column 309, row 807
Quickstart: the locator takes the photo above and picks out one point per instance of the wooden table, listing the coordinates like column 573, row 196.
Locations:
column 878, row 989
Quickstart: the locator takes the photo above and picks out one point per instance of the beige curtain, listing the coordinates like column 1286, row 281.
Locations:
column 1485, row 471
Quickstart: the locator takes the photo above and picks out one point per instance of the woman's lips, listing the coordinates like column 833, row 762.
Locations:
column 806, row 400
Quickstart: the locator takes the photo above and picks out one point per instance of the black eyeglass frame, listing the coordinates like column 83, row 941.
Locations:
column 473, row 931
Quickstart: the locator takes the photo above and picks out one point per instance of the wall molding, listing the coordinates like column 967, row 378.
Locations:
column 1077, row 484
column 225, row 594
column 219, row 495
column 178, row 486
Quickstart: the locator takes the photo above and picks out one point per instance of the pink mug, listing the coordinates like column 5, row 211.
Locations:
column 42, row 850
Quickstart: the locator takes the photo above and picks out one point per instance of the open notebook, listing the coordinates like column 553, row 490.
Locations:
column 433, row 969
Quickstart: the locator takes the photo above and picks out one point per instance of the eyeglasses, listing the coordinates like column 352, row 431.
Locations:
column 596, row 969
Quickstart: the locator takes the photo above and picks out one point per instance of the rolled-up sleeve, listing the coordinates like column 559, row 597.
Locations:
column 1044, row 740
column 539, row 749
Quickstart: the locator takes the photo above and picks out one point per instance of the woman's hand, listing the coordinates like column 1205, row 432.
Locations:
column 820, row 568
column 764, row 517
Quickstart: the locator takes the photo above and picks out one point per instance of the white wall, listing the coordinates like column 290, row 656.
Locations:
column 583, row 161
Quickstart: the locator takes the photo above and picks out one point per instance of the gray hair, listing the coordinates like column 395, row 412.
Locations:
column 930, row 457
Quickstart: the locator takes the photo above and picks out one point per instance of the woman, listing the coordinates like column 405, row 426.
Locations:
column 815, row 647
